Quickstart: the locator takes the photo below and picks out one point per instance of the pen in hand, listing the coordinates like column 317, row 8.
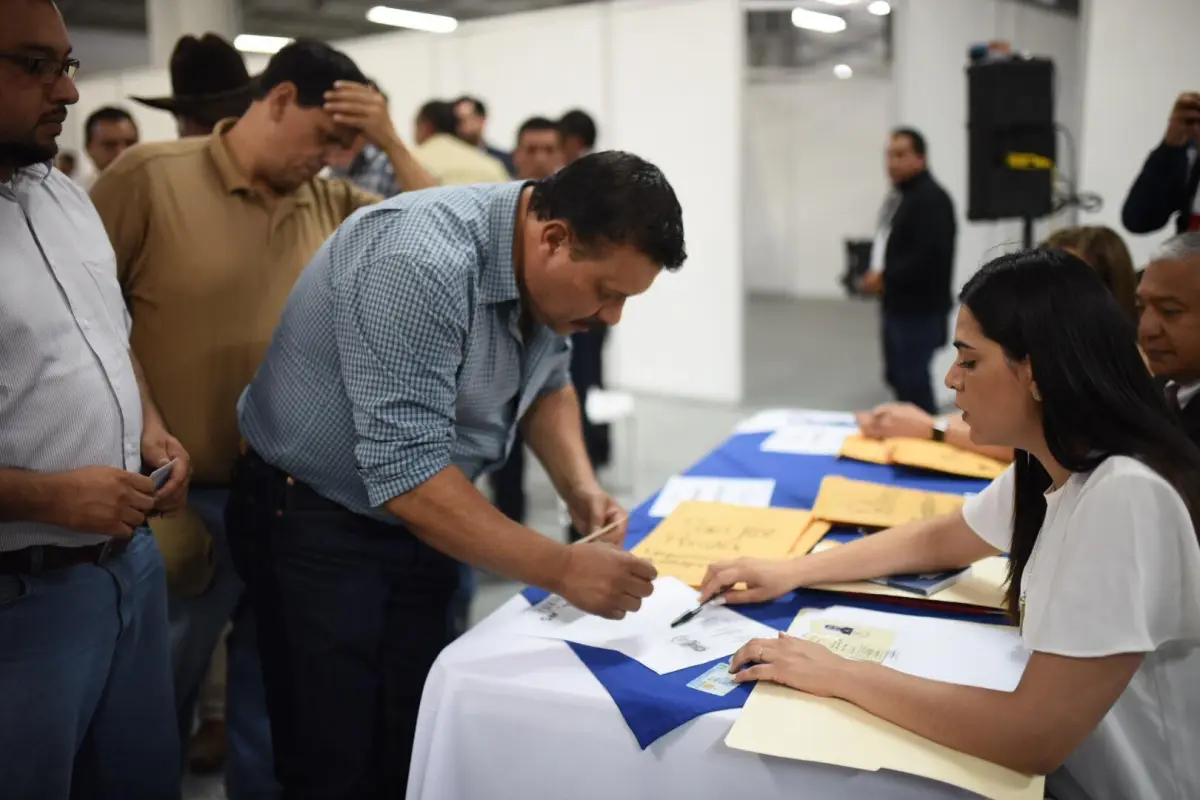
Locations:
column 695, row 611
column 607, row 529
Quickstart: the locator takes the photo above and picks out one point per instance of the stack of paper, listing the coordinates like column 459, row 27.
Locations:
column 922, row 454
column 697, row 534
column 782, row 722
column 754, row 492
column 809, row 439
column 775, row 418
column 874, row 505
column 646, row 635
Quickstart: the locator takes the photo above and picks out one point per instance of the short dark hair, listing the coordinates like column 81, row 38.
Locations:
column 105, row 114
column 312, row 66
column 536, row 124
column 440, row 115
column 580, row 125
column 612, row 199
column 475, row 102
column 918, row 141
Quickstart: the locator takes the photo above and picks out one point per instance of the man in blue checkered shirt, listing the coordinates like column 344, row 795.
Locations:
column 418, row 338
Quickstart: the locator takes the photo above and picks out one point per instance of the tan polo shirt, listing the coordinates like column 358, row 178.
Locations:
column 206, row 267
column 453, row 162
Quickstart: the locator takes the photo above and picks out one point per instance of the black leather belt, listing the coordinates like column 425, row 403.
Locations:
column 48, row 557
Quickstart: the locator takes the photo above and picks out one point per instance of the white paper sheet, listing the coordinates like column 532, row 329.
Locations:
column 775, row 418
column 966, row 653
column 735, row 491
column 647, row 636
column 808, row 439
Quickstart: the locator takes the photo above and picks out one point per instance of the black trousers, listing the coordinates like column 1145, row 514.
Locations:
column 910, row 341
column 351, row 614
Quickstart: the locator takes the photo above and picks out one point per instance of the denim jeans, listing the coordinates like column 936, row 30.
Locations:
column 352, row 613
column 85, row 681
column 196, row 624
column 910, row 342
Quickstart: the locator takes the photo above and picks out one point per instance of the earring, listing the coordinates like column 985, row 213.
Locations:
column 1037, row 396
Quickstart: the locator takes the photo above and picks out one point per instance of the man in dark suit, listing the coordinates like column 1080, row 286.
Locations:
column 1169, row 183
column 1169, row 327
column 912, row 267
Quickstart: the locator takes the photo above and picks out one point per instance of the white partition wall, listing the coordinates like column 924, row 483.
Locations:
column 1132, row 80
column 663, row 78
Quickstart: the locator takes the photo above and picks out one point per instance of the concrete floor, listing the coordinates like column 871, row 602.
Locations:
column 799, row 353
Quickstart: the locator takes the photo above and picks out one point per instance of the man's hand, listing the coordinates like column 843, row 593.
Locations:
column 102, row 500
column 158, row 449
column 605, row 580
column 1184, row 125
column 871, row 283
column 364, row 108
column 590, row 511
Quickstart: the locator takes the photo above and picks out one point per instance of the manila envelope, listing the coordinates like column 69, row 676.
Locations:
column 874, row 505
column 942, row 457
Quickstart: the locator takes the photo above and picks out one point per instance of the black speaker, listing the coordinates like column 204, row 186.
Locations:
column 1011, row 139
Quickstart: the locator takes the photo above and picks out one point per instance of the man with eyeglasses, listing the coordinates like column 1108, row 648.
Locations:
column 86, row 708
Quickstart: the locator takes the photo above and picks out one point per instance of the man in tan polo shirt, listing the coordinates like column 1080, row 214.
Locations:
column 210, row 234
column 450, row 160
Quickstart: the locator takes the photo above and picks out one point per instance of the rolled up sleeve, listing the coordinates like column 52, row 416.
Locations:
column 401, row 334
column 559, row 374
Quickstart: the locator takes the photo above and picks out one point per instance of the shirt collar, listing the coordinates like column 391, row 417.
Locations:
column 232, row 177
column 499, row 284
column 34, row 173
column 1187, row 392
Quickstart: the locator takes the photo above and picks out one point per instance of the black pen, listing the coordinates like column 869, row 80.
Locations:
column 692, row 614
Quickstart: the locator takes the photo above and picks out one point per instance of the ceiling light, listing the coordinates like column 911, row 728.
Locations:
column 416, row 20
column 268, row 45
column 880, row 8
column 816, row 21
column 843, row 71
column 839, row 2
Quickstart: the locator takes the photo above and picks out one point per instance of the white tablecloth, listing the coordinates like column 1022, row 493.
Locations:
column 513, row 718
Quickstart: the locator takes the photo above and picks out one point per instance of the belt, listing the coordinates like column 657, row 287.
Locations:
column 286, row 490
column 48, row 557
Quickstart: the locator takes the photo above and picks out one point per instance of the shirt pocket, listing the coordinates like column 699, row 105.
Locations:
column 103, row 273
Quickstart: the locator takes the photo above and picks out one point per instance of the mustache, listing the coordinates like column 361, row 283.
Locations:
column 59, row 115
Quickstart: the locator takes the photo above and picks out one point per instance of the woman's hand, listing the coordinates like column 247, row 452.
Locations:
column 792, row 662
column 893, row 420
column 764, row 580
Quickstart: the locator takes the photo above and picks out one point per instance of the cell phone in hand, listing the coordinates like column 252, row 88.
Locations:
column 161, row 475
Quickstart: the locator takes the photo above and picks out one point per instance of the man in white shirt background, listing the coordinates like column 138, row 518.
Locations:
column 1169, row 326
column 108, row 132
column 87, row 708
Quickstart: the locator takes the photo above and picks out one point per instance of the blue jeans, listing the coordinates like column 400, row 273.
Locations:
column 86, row 702
column 196, row 624
column 910, row 342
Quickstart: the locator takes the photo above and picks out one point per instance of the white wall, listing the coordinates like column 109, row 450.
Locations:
column 814, row 176
column 931, row 40
column 1132, row 82
column 663, row 79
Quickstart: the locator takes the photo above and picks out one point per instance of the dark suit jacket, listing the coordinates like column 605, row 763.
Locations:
column 1190, row 417
column 1164, row 187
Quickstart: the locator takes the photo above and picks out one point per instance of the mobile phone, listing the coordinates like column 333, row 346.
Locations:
column 161, row 475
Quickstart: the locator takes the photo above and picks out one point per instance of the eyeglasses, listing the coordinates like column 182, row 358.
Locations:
column 48, row 69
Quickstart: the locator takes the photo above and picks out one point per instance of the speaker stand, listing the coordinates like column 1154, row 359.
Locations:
column 1028, row 232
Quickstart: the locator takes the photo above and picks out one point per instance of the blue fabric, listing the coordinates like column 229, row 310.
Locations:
column 654, row 705
column 399, row 351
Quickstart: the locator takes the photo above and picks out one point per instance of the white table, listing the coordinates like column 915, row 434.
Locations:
column 513, row 718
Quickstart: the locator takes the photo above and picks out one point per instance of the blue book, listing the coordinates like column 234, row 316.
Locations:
column 924, row 585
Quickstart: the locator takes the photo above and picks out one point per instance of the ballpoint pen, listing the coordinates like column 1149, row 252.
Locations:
column 692, row 614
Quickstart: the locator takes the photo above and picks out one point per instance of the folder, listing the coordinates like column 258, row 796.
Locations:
column 983, row 587
column 874, row 505
column 782, row 722
column 942, row 457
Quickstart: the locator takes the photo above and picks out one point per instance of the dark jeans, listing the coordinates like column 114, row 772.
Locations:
column 909, row 344
column 351, row 613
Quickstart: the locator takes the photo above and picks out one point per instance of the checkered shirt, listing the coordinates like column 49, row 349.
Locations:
column 399, row 352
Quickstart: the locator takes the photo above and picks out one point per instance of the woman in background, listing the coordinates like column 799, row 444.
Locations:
column 1099, row 516
column 1105, row 252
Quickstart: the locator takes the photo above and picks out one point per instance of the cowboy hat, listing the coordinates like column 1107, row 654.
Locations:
column 208, row 80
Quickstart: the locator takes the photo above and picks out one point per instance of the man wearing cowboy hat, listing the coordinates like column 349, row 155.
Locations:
column 210, row 233
column 209, row 83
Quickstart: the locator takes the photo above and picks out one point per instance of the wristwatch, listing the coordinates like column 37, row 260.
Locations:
column 940, row 426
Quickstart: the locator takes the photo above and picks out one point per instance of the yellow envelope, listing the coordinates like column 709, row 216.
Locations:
column 942, row 457
column 811, row 537
column 874, row 505
column 782, row 722
column 696, row 534
column 860, row 448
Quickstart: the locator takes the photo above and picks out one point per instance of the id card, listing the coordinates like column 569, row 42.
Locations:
column 852, row 641
column 717, row 680
column 161, row 475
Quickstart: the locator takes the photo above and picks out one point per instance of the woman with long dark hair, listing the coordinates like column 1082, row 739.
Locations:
column 1100, row 516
